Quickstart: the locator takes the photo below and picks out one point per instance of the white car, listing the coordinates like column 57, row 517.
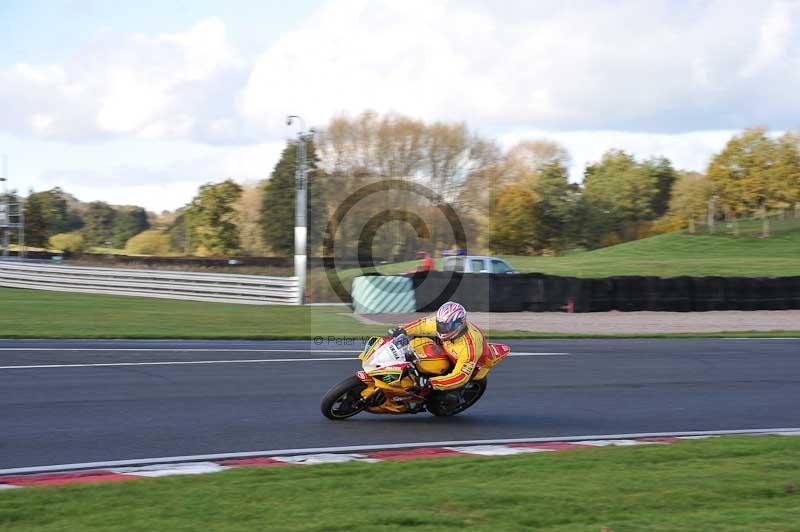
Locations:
column 477, row 264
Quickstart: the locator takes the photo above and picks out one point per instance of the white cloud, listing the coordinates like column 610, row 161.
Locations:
column 168, row 86
column 656, row 66
column 638, row 66
column 775, row 38
column 654, row 78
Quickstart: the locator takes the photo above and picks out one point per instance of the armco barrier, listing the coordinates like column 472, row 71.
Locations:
column 548, row 293
column 225, row 288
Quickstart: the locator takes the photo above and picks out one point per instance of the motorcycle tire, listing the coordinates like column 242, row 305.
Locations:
column 442, row 404
column 343, row 400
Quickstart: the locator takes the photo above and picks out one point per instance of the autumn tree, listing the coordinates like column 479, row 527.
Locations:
column 72, row 242
column 152, row 242
column 689, row 201
column 513, row 224
column 755, row 174
column 248, row 208
column 441, row 156
column 524, row 162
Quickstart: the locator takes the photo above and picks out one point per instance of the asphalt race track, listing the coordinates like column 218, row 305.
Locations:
column 75, row 403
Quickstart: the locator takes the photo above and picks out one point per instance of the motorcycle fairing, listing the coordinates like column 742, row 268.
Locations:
column 391, row 376
column 491, row 356
column 432, row 358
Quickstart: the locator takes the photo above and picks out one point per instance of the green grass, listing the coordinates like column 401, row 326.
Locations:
column 666, row 255
column 41, row 314
column 731, row 484
column 674, row 254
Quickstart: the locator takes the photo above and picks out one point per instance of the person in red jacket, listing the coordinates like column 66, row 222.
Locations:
column 426, row 262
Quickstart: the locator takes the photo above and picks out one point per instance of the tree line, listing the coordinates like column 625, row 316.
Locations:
column 514, row 201
column 75, row 225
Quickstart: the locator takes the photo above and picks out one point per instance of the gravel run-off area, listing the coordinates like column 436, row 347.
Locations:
column 615, row 322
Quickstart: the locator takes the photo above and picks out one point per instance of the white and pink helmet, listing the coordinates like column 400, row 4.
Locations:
column 451, row 320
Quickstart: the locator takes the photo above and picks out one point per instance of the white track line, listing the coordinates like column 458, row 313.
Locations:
column 191, row 362
column 169, row 350
column 379, row 447
column 177, row 363
column 172, row 350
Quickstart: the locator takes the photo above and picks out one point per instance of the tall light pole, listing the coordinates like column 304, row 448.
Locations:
column 300, row 208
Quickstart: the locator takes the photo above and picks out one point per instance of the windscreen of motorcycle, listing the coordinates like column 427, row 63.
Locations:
column 386, row 355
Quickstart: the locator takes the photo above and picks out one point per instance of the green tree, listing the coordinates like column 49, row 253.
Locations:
column 177, row 232
column 37, row 224
column 211, row 219
column 278, row 199
column 46, row 213
column 619, row 193
column 551, row 216
column 98, row 229
column 664, row 176
column 512, row 225
column 128, row 222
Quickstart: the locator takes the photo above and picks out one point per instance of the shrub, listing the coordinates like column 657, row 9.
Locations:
column 71, row 242
column 148, row 243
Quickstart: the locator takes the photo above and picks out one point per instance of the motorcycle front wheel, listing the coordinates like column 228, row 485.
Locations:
column 452, row 402
column 344, row 400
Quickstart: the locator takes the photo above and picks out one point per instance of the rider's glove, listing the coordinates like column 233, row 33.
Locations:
column 396, row 331
column 425, row 387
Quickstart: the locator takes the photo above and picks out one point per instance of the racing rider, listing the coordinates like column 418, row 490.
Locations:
column 463, row 342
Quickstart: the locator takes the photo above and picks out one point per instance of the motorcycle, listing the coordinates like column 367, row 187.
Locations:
column 393, row 370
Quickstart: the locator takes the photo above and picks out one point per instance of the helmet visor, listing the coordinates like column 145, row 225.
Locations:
column 447, row 328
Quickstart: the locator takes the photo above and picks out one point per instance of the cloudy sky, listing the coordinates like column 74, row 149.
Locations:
column 140, row 102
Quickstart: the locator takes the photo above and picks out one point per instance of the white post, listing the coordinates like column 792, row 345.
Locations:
column 300, row 208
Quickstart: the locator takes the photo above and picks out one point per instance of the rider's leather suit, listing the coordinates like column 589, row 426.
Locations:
column 464, row 350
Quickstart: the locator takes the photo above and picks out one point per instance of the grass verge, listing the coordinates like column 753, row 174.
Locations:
column 42, row 314
column 667, row 255
column 732, row 483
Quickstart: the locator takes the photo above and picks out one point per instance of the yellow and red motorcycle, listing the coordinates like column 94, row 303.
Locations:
column 391, row 380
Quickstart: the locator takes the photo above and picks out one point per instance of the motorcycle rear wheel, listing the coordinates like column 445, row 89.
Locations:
column 453, row 402
column 344, row 400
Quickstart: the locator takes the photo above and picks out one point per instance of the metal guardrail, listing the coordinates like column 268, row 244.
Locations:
column 223, row 288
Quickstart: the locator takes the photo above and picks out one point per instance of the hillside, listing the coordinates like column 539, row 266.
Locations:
column 667, row 255
column 679, row 253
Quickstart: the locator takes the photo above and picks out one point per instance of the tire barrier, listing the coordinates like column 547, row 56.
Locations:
column 548, row 293
column 374, row 294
